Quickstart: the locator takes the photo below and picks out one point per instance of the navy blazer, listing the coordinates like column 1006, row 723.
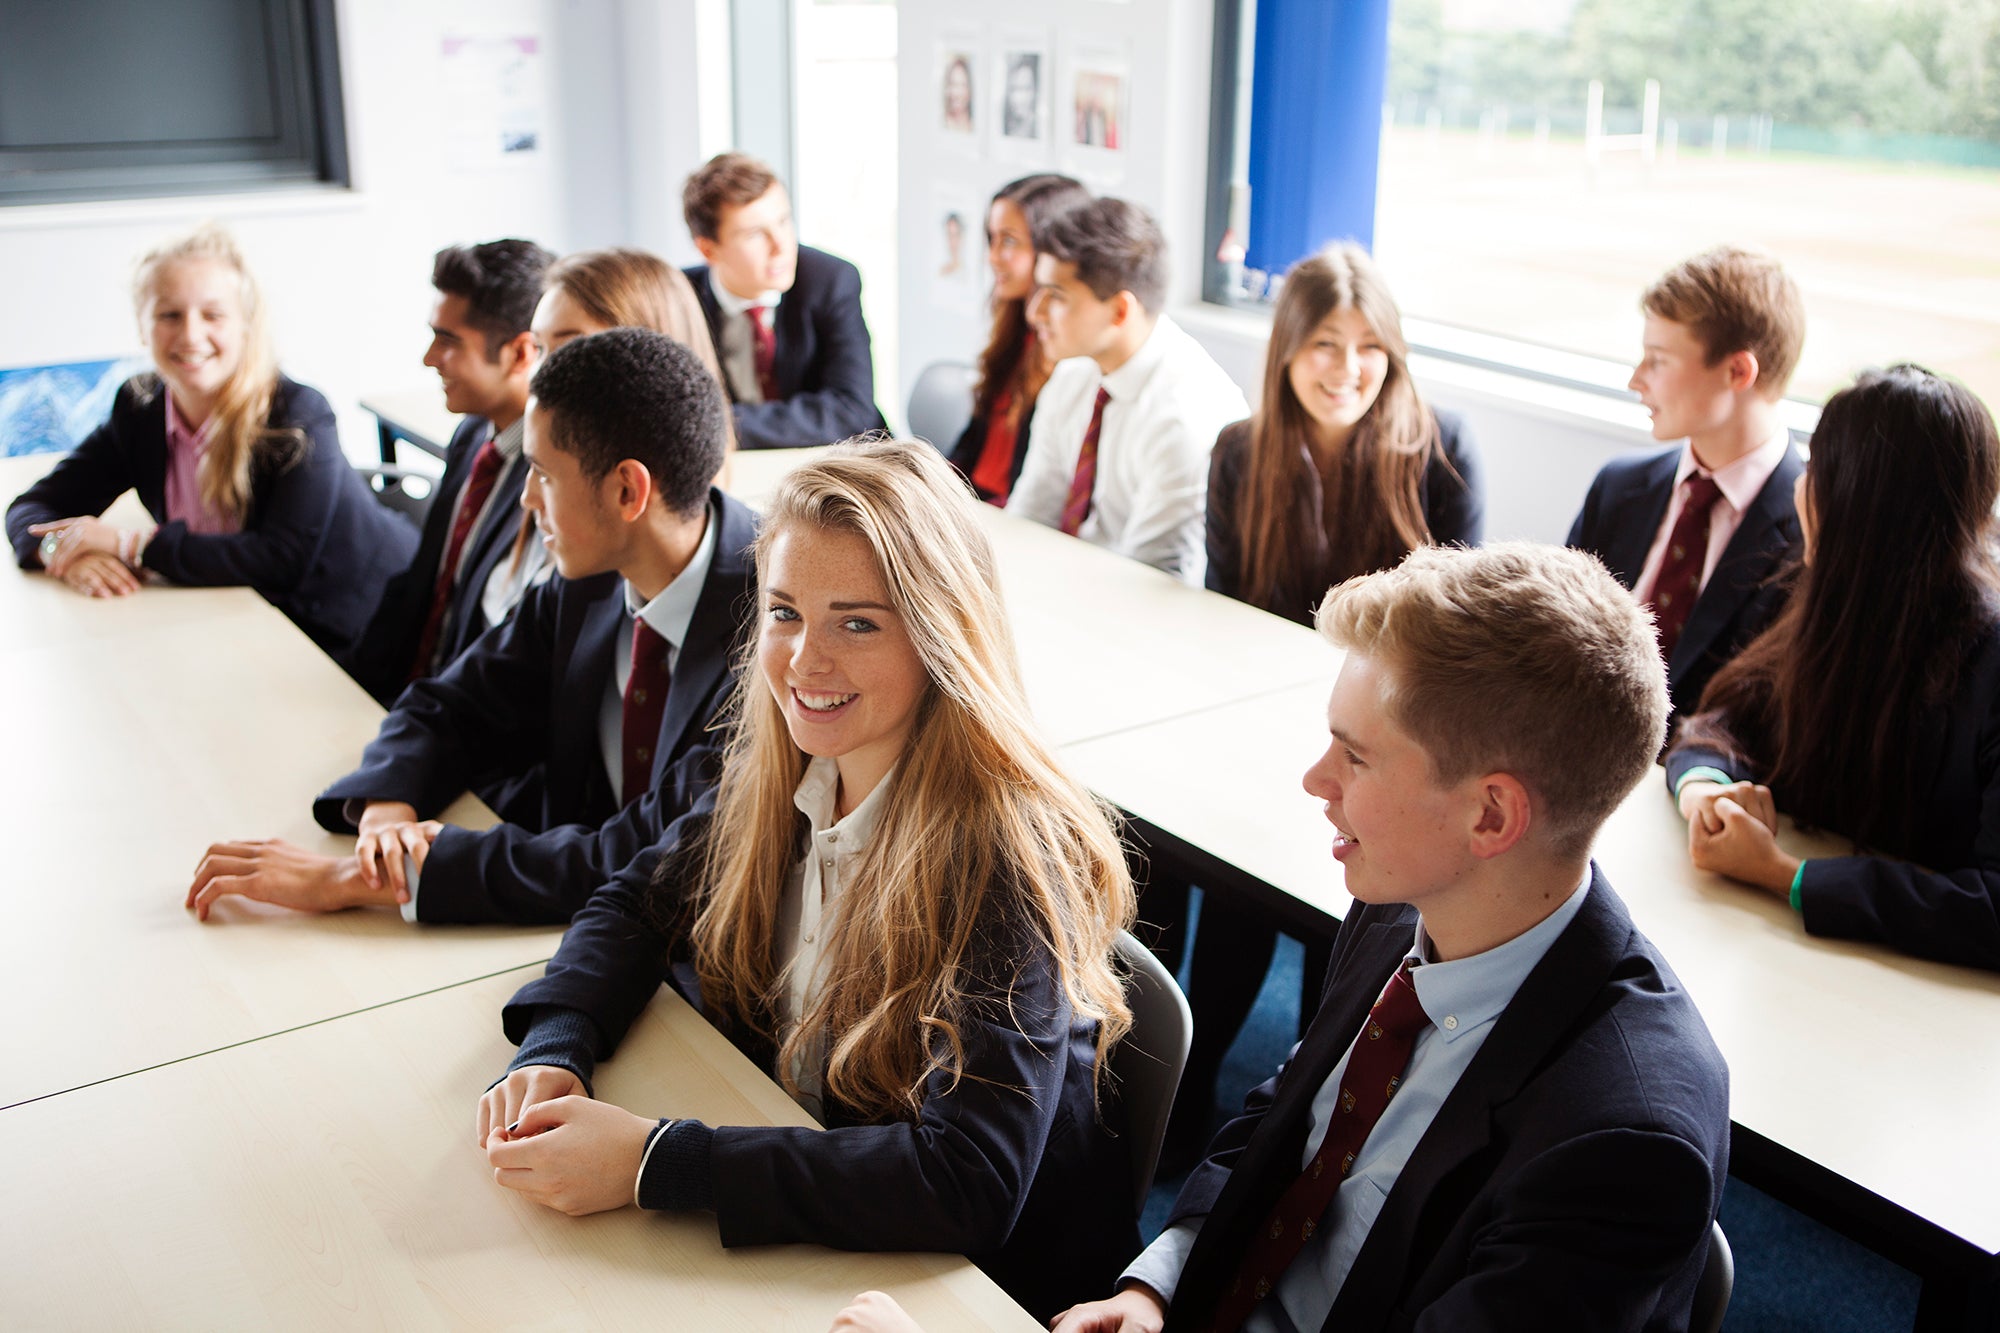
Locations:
column 1622, row 515
column 1452, row 492
column 1568, row 1181
column 315, row 542
column 1950, row 911
column 825, row 362
column 1014, row 1166
column 526, row 697
column 389, row 648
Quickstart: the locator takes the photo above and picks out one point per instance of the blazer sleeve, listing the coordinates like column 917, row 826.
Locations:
column 291, row 506
column 85, row 482
column 843, row 403
column 1567, row 1248
column 1583, row 533
column 954, row 1179
column 487, row 711
column 1224, row 544
column 507, row 873
column 1951, row 914
column 1455, row 486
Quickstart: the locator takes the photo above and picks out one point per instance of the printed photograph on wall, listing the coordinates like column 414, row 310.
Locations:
column 1021, row 93
column 1098, row 106
column 957, row 87
column 957, row 258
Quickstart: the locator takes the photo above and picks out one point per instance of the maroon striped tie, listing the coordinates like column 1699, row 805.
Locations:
column 1077, row 507
column 485, row 471
column 645, row 705
column 764, row 352
column 1374, row 1069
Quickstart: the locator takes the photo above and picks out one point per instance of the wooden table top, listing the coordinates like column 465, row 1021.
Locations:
column 326, row 1177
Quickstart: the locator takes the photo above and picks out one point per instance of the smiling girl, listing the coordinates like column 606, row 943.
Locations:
column 898, row 902
column 240, row 467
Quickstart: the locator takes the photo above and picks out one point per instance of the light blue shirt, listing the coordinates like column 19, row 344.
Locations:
column 1463, row 999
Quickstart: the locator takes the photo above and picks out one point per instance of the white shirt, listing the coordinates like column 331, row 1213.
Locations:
column 738, row 352
column 1740, row 484
column 1463, row 999
column 669, row 615
column 810, row 906
column 1168, row 403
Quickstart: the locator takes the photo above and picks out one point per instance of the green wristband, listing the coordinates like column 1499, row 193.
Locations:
column 1798, row 883
column 1702, row 773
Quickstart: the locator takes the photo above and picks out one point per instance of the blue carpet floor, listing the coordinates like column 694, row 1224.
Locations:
column 1792, row 1274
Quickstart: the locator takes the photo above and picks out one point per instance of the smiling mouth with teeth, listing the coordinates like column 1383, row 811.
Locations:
column 822, row 703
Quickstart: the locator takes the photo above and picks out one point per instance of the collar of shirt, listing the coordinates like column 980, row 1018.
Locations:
column 1124, row 383
column 181, row 435
column 815, row 800
column 672, row 611
column 508, row 441
column 1740, row 481
column 1461, row 995
column 733, row 305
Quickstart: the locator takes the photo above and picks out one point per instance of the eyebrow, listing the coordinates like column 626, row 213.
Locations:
column 445, row 333
column 1346, row 739
column 780, row 595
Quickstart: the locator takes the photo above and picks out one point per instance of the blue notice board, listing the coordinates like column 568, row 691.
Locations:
column 49, row 409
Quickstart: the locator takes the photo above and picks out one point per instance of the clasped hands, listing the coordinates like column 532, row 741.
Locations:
column 271, row 870
column 1733, row 831
column 85, row 555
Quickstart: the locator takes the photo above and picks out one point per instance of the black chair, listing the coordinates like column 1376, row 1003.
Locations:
column 402, row 489
column 1718, row 1279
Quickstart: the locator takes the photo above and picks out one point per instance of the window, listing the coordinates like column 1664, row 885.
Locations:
column 1541, row 161
column 103, row 99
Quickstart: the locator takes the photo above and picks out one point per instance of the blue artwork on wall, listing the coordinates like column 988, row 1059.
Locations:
column 49, row 409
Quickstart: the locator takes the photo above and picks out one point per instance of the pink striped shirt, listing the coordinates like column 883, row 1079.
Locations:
column 185, row 447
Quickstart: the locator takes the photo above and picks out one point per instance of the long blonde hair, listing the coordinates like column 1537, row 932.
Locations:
column 985, row 842
column 240, row 424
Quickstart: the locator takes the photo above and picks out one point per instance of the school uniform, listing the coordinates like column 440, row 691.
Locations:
column 1936, row 895
column 313, row 541
column 1451, row 492
column 1015, row 1166
column 989, row 452
column 1553, row 1156
column 823, row 366
column 1625, row 522
column 540, row 697
column 1121, row 460
column 395, row 637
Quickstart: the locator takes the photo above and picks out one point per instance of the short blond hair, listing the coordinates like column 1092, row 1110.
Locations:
column 1515, row 658
column 1736, row 300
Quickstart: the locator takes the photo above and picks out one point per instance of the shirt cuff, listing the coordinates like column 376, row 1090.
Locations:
column 1798, row 887
column 1702, row 773
column 1159, row 1265
column 673, row 1172
column 410, row 876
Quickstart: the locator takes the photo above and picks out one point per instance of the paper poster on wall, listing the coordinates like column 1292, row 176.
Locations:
column 957, row 256
column 1093, row 110
column 499, row 105
column 1099, row 105
column 958, row 63
column 1023, row 75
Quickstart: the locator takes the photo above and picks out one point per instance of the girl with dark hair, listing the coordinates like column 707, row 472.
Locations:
column 239, row 467
column 1871, row 706
column 1014, row 367
column 1342, row 471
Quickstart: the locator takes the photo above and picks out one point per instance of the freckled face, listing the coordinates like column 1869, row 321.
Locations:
column 834, row 652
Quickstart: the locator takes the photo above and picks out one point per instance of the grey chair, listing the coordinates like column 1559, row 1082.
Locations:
column 1147, row 1064
column 941, row 403
column 1718, row 1279
column 402, row 489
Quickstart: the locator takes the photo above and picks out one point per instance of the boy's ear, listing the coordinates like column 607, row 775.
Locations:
column 519, row 352
column 706, row 247
column 634, row 488
column 1506, row 812
column 1743, row 370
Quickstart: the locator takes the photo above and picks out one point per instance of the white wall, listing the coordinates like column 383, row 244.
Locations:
column 347, row 271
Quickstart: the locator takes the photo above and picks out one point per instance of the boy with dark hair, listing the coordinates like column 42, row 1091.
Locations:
column 1118, row 453
column 1698, row 531
column 603, row 685
column 466, row 574
column 1506, row 1113
column 786, row 318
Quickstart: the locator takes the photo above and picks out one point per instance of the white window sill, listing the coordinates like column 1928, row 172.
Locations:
column 172, row 210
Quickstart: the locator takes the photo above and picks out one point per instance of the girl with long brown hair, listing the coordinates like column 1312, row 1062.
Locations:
column 1014, row 366
column 1342, row 471
column 1871, row 706
column 239, row 467
column 900, row 903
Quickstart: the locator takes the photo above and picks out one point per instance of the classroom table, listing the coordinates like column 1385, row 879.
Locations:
column 416, row 415
column 327, row 1177
column 140, row 730
column 1863, row 1084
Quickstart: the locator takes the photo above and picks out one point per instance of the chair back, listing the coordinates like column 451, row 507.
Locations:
column 1148, row 1063
column 406, row 491
column 941, row 403
column 1718, row 1279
